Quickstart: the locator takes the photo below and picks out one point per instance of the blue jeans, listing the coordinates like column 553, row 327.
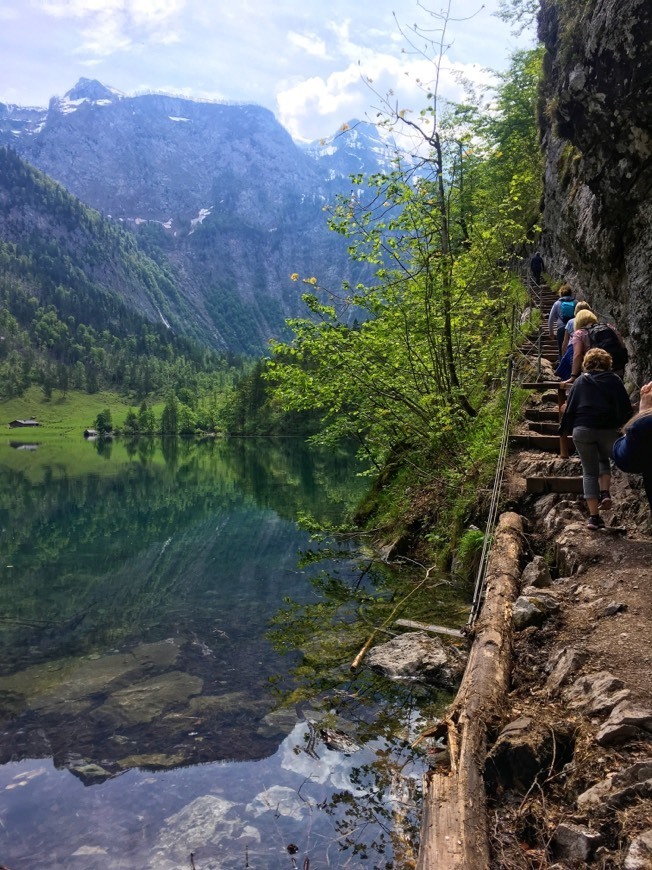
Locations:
column 594, row 449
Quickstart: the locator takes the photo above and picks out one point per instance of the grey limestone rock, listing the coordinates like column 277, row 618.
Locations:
column 564, row 664
column 575, row 842
column 418, row 657
column 525, row 614
column 639, row 855
column 626, row 721
column 536, row 573
column 596, row 693
column 619, row 788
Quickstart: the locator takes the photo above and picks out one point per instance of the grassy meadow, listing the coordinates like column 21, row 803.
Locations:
column 62, row 448
column 63, row 415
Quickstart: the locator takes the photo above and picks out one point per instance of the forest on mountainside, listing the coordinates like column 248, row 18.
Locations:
column 82, row 307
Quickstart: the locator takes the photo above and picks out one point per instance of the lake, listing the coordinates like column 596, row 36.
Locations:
column 141, row 701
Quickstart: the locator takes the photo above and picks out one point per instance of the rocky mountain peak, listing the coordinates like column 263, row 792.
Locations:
column 91, row 89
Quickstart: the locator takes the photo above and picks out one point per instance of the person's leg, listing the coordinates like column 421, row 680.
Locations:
column 560, row 338
column 586, row 445
column 647, row 483
column 605, row 439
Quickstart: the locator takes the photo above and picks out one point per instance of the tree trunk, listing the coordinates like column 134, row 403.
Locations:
column 454, row 831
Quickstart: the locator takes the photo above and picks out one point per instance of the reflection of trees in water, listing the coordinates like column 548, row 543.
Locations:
column 92, row 552
column 376, row 819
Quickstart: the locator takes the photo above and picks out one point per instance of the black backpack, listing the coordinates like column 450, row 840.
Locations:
column 605, row 337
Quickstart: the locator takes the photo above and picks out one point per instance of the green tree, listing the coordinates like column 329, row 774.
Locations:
column 146, row 419
column 435, row 323
column 131, row 427
column 103, row 422
column 170, row 417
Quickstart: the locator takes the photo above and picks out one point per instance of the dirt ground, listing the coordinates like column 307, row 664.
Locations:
column 603, row 582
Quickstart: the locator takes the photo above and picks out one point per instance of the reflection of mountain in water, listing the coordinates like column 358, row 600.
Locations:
column 136, row 604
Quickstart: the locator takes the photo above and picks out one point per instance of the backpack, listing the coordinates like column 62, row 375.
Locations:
column 604, row 336
column 567, row 310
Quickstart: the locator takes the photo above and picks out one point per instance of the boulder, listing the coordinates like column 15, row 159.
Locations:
column 536, row 574
column 596, row 693
column 626, row 721
column 416, row 656
column 563, row 664
column 525, row 614
column 619, row 788
column 639, row 855
column 575, row 842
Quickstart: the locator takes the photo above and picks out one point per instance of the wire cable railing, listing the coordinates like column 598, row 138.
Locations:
column 521, row 343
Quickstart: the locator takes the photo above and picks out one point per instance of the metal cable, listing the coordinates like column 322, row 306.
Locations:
column 535, row 295
column 480, row 582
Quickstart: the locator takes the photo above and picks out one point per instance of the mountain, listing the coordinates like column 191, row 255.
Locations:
column 357, row 147
column 77, row 294
column 218, row 193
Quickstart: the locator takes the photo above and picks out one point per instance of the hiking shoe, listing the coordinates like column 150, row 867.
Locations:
column 596, row 523
column 605, row 501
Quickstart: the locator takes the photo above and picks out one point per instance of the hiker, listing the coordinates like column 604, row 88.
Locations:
column 560, row 313
column 537, row 267
column 565, row 366
column 633, row 452
column 597, row 407
column 586, row 334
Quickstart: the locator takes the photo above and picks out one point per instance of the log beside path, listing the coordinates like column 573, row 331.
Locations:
column 454, row 827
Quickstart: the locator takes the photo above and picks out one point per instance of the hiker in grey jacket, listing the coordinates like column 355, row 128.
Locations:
column 560, row 313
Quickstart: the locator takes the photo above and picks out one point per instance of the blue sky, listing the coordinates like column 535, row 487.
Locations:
column 314, row 63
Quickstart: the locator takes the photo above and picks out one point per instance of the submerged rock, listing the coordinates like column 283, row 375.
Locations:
column 202, row 823
column 280, row 800
column 145, row 700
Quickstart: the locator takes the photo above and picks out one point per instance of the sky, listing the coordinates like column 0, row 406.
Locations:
column 315, row 64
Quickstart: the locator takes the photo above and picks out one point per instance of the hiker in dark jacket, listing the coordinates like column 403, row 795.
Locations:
column 537, row 267
column 597, row 406
column 633, row 452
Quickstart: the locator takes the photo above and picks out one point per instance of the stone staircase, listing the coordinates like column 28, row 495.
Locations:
column 543, row 420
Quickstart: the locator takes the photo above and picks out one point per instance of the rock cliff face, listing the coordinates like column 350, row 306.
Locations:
column 596, row 124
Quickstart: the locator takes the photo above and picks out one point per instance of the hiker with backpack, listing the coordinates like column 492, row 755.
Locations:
column 589, row 333
column 565, row 366
column 633, row 452
column 561, row 312
column 597, row 407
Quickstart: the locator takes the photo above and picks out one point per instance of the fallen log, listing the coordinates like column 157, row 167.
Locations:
column 454, row 828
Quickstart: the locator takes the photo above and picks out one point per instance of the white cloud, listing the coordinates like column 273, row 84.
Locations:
column 319, row 104
column 309, row 43
column 109, row 26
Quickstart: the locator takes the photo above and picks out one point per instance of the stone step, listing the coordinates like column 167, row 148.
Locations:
column 540, row 414
column 544, row 428
column 541, row 485
column 549, row 443
column 540, row 386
